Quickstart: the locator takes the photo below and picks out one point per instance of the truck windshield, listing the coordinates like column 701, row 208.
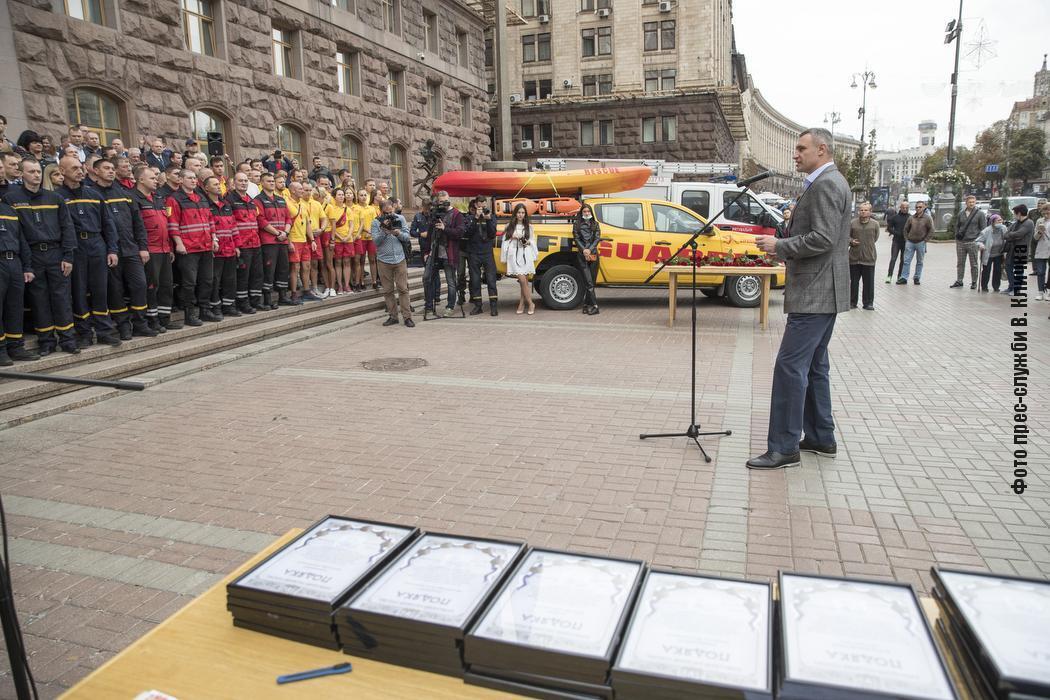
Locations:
column 673, row 220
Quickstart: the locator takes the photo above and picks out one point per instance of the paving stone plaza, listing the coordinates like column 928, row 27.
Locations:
column 120, row 512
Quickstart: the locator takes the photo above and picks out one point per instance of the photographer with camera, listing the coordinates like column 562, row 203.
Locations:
column 477, row 244
column 277, row 162
column 443, row 233
column 390, row 232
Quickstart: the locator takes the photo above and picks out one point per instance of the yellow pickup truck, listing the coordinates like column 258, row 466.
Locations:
column 640, row 233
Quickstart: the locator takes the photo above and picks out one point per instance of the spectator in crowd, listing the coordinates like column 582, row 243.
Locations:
column 1041, row 257
column 48, row 229
column 301, row 244
column 249, row 255
column 5, row 143
column 281, row 183
column 127, row 279
column 969, row 224
column 863, row 234
column 357, row 259
column 69, row 150
column 92, row 145
column 224, row 261
column 170, row 184
column 97, row 250
column 917, row 231
column 50, row 152
column 370, row 186
column 192, row 148
column 152, row 209
column 346, row 181
column 338, row 213
column 158, row 156
column 52, row 177
column 277, row 162
column 254, row 177
column 12, row 171
column 274, row 225
column 217, row 165
column 124, row 172
column 16, row 271
column 135, row 156
column 192, row 232
column 519, row 253
column 33, row 146
column 117, row 144
column 478, row 235
column 76, row 139
column 319, row 170
column 176, row 159
column 586, row 234
column 895, row 224
column 390, row 232
column 322, row 263
column 991, row 244
column 366, row 247
column 1018, row 242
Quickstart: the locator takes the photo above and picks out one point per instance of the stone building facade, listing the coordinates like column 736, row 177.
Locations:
column 601, row 79
column 368, row 80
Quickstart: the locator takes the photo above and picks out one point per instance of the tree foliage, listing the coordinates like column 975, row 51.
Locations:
column 1027, row 154
column 859, row 172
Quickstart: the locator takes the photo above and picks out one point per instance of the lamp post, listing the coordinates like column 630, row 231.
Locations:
column 832, row 118
column 867, row 79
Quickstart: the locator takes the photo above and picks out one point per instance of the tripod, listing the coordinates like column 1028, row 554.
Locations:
column 693, row 430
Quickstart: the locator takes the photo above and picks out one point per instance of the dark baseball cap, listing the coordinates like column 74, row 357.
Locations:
column 191, row 141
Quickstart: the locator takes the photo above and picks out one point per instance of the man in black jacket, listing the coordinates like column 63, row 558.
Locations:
column 1018, row 239
column 443, row 233
column 478, row 235
column 895, row 227
column 15, row 273
column 127, row 279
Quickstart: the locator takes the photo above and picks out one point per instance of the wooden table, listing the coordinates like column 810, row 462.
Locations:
column 764, row 273
column 198, row 653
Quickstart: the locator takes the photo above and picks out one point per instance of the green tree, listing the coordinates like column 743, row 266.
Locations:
column 1027, row 154
column 860, row 172
column 987, row 150
column 933, row 162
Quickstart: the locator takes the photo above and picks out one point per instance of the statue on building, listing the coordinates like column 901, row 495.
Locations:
column 430, row 165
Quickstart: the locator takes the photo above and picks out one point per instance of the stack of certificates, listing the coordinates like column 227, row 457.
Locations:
column 294, row 592
column 553, row 627
column 847, row 639
column 697, row 637
column 417, row 611
column 999, row 629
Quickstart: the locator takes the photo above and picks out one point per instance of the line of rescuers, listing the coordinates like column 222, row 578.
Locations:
column 98, row 259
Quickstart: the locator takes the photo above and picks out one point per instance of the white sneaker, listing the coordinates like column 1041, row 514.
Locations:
column 329, row 292
column 1039, row 296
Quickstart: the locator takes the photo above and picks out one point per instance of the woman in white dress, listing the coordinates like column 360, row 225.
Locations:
column 519, row 253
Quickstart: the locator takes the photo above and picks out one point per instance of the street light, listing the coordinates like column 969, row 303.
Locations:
column 867, row 79
column 832, row 118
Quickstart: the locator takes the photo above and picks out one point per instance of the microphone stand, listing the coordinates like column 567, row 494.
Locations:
column 693, row 430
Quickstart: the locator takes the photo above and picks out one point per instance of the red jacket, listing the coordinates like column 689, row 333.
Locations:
column 189, row 217
column 156, row 220
column 225, row 228
column 272, row 211
column 247, row 217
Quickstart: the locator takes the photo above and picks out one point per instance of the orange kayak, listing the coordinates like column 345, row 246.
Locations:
column 466, row 183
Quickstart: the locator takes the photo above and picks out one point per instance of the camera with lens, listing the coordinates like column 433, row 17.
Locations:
column 438, row 209
column 485, row 211
column 389, row 221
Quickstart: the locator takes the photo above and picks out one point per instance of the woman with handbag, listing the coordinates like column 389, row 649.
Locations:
column 586, row 234
column 519, row 253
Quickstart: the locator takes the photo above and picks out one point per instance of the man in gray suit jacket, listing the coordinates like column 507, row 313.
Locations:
column 815, row 250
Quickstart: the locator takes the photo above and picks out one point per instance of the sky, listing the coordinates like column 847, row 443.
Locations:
column 902, row 41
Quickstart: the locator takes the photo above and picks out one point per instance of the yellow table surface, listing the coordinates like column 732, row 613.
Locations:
column 198, row 653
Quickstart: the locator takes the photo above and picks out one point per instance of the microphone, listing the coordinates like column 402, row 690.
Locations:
column 754, row 178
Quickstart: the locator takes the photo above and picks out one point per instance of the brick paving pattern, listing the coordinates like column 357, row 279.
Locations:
column 527, row 427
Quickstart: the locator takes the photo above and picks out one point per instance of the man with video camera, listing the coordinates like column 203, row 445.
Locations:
column 390, row 232
column 477, row 243
column 444, row 232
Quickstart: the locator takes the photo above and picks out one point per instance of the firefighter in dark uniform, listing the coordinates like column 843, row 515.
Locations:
column 96, row 253
column 477, row 239
column 16, row 272
column 127, row 279
column 48, row 229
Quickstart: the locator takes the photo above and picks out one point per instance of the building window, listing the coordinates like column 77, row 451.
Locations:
column 605, row 84
column 660, row 79
column 669, row 128
column 350, row 156
column 658, row 36
column 528, row 48
column 597, row 42
column 434, row 99
column 591, row 5
column 430, row 31
column 586, row 133
column 527, row 133
column 590, row 85
column 284, row 45
column 463, row 48
column 604, row 41
column 597, row 84
column 667, row 34
column 489, row 52
column 649, row 130
column 535, row 47
column 395, row 88
column 547, row 134
column 204, row 120
column 347, row 5
column 398, row 170
column 391, row 12
column 198, row 19
column 88, row 10
column 465, row 163
column 464, row 111
column 346, row 73
column 538, row 89
column 97, row 111
column 605, row 132
column 532, row 8
column 290, row 141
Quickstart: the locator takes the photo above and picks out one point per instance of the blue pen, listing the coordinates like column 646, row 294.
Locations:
column 317, row 673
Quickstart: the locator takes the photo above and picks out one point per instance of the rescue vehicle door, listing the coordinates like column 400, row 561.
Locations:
column 623, row 256
column 672, row 228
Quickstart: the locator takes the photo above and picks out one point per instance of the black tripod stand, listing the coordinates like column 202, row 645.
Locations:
column 693, row 430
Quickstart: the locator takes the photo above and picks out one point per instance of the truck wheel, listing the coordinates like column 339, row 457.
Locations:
column 744, row 291
column 561, row 287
